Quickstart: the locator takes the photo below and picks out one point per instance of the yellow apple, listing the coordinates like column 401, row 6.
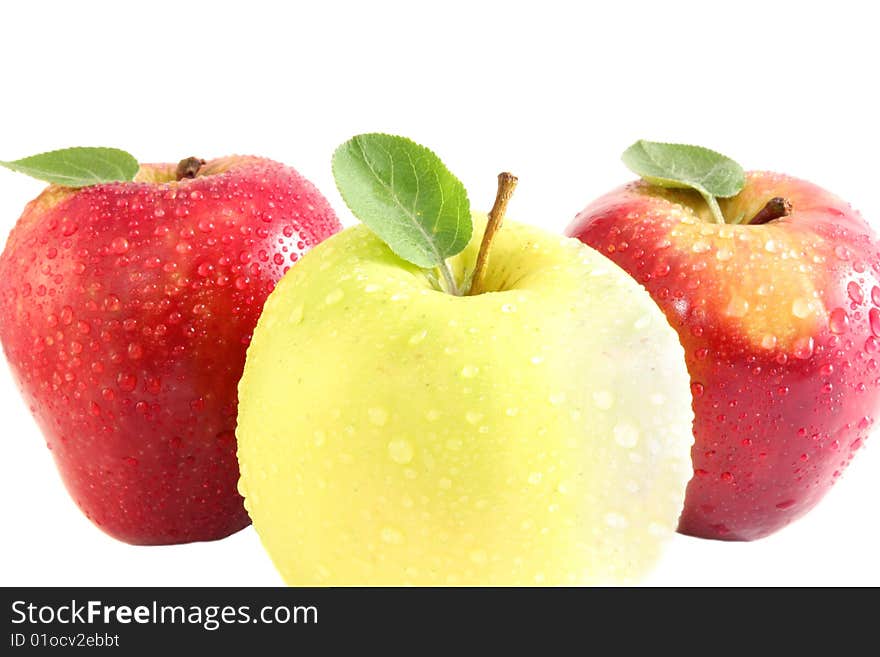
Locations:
column 390, row 433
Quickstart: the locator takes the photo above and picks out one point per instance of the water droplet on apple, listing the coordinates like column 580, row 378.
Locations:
column 454, row 444
column 536, row 360
column 126, row 381
column 874, row 321
column 737, row 307
column 432, row 415
column 296, row 314
column 727, row 476
column 770, row 246
column 700, row 246
column 557, row 398
column 130, row 461
column 377, row 415
column 479, row 557
column 854, row 290
column 418, row 336
column 473, row 417
column 603, row 399
column 319, row 438
column 369, row 288
column 786, row 504
column 508, row 308
column 400, row 451
column 119, row 246
column 626, row 434
column 838, row 321
column 801, row 308
column 469, row 371
column 445, row 483
column 841, row 252
column 875, row 295
column 334, row 297
column 768, row 341
column 697, row 389
column 803, row 347
column 616, row 520
column 535, row 478
column 391, row 536
column 724, row 254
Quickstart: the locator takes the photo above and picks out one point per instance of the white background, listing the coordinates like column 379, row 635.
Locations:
column 552, row 91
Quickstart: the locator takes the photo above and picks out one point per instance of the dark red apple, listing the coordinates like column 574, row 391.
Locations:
column 125, row 312
column 780, row 320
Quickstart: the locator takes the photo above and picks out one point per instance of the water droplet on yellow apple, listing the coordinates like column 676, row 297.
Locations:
column 400, row 451
column 479, row 557
column 391, row 536
column 469, row 371
column 626, row 434
column 615, row 520
column 418, row 336
column 473, row 417
column 377, row 415
column 603, row 399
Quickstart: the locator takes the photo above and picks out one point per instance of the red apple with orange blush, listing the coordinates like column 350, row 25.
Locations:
column 775, row 294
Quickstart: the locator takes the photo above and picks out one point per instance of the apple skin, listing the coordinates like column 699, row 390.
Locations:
column 125, row 314
column 393, row 434
column 781, row 329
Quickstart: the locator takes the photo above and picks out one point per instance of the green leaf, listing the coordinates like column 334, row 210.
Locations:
column 682, row 166
column 78, row 167
column 406, row 195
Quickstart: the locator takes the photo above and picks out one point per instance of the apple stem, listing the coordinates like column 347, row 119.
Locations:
column 188, row 167
column 506, row 185
column 776, row 208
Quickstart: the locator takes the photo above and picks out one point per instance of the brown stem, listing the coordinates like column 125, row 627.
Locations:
column 188, row 167
column 506, row 185
column 776, row 208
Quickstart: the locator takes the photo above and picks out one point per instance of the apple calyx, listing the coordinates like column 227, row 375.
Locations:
column 188, row 167
column 776, row 208
column 506, row 186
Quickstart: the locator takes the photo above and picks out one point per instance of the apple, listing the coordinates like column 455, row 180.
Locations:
column 125, row 312
column 779, row 316
column 392, row 433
